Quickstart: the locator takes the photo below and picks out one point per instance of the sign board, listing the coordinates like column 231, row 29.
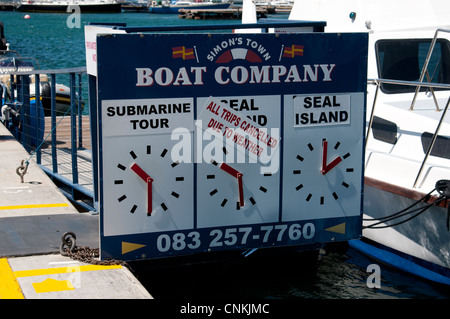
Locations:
column 229, row 141
column 90, row 42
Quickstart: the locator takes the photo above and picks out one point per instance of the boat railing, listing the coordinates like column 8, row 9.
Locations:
column 46, row 111
column 424, row 71
column 418, row 85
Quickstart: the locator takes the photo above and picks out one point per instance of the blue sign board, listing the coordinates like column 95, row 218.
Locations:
column 229, row 141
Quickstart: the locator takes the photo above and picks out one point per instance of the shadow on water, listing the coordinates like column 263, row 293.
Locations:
column 335, row 272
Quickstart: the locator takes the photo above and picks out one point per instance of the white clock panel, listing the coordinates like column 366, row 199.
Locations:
column 147, row 190
column 232, row 192
column 322, row 165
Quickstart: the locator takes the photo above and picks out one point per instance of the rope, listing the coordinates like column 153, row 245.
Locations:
column 51, row 131
column 406, row 211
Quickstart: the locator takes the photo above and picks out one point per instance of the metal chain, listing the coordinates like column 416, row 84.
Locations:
column 84, row 253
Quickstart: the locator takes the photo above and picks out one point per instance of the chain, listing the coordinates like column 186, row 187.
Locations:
column 84, row 253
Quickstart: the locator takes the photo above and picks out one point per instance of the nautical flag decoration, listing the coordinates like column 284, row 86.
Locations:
column 290, row 52
column 182, row 52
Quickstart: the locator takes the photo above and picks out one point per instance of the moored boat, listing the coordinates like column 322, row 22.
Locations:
column 167, row 7
column 85, row 6
column 407, row 166
column 11, row 61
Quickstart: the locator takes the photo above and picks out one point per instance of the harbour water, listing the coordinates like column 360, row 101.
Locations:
column 57, row 41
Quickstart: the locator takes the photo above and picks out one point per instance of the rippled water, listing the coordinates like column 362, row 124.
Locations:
column 340, row 274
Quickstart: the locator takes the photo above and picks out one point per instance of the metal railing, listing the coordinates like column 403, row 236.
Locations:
column 418, row 84
column 46, row 110
column 379, row 82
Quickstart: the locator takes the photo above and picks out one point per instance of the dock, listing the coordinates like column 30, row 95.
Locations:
column 34, row 217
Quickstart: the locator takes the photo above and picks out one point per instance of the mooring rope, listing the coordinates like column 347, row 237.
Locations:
column 443, row 195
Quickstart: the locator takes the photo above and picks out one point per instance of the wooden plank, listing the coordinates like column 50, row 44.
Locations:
column 63, row 132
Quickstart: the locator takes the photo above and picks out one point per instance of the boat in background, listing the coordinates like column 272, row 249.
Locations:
column 3, row 42
column 86, row 6
column 407, row 160
column 11, row 61
column 172, row 7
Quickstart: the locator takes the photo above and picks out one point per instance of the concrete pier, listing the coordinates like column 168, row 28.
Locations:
column 34, row 215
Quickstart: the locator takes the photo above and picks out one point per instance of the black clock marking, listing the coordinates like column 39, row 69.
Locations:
column 213, row 192
column 224, row 202
column 134, row 156
column 174, row 164
column 252, row 200
column 263, row 189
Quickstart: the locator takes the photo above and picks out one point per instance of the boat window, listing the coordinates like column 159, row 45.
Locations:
column 402, row 59
column 441, row 147
column 384, row 130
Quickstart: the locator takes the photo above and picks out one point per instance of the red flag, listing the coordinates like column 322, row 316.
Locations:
column 290, row 52
column 182, row 52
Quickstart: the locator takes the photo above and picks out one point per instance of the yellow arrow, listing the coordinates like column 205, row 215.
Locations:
column 127, row 247
column 337, row 229
column 49, row 285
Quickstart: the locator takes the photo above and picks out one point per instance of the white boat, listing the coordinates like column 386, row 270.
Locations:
column 172, row 7
column 85, row 6
column 402, row 175
column 407, row 160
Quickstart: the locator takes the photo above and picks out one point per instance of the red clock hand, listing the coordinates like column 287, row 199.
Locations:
column 328, row 167
column 149, row 196
column 142, row 174
column 241, row 190
column 230, row 170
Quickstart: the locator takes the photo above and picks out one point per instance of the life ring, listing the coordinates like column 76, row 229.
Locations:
column 153, row 3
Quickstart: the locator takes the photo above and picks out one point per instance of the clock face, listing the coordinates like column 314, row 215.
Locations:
column 321, row 172
column 320, row 177
column 150, row 191
column 235, row 189
column 236, row 193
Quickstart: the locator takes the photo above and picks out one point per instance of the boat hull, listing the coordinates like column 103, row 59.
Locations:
column 174, row 9
column 92, row 8
column 420, row 242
